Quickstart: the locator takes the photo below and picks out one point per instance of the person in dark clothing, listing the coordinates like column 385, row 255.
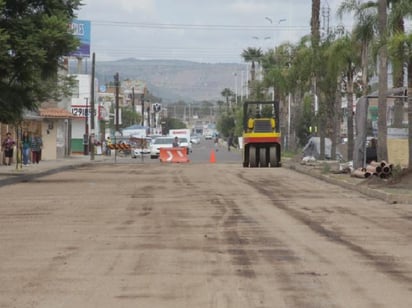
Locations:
column 36, row 146
column 8, row 146
column 176, row 142
column 26, row 144
column 230, row 142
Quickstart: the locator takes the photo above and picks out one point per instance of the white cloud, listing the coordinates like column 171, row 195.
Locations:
column 248, row 7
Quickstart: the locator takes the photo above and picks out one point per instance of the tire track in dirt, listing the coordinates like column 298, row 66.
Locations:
column 381, row 263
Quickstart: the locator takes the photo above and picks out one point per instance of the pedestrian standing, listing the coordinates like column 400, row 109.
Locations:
column 26, row 145
column 8, row 146
column 216, row 143
column 108, row 143
column 230, row 142
column 36, row 147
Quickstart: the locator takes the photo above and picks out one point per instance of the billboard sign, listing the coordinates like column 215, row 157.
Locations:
column 81, row 29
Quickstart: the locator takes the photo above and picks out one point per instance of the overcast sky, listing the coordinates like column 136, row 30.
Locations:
column 212, row 31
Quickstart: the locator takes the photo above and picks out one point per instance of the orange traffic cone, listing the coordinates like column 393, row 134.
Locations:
column 212, row 157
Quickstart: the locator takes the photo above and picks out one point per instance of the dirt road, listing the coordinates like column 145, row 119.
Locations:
column 199, row 235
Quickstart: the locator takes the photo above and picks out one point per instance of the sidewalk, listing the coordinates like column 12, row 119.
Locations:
column 20, row 173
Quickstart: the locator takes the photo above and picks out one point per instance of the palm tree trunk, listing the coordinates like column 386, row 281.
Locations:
column 410, row 113
column 315, row 25
column 336, row 119
column 383, row 82
column 350, row 115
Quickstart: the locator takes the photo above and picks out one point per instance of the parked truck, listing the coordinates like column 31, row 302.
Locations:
column 261, row 134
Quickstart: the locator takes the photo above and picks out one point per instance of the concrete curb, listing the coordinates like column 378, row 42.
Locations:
column 13, row 175
column 391, row 198
column 26, row 177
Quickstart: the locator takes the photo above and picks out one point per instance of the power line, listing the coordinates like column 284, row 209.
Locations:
column 167, row 26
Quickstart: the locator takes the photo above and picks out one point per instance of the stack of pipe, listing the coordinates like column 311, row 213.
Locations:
column 381, row 169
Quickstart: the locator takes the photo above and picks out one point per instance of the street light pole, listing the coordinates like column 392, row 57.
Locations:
column 142, row 102
column 92, row 109
column 116, row 84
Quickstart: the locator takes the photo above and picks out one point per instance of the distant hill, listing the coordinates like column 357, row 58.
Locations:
column 174, row 80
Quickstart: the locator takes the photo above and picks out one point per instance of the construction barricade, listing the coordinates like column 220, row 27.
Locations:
column 173, row 155
column 120, row 146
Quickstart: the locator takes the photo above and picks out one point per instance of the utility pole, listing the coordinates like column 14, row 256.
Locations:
column 148, row 117
column 86, row 128
column 116, row 84
column 92, row 113
column 134, row 108
column 142, row 102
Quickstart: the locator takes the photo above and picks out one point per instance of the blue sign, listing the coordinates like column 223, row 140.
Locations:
column 81, row 29
column 102, row 88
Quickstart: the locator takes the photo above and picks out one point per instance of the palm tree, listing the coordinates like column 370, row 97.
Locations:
column 364, row 33
column 410, row 104
column 299, row 82
column 252, row 55
column 275, row 64
column 401, row 50
column 403, row 42
column 399, row 10
column 227, row 93
column 344, row 60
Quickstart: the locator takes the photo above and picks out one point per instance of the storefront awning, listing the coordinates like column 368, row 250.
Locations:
column 58, row 113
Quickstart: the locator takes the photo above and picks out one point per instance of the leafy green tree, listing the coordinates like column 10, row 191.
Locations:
column 130, row 117
column 171, row 123
column 305, row 120
column 205, row 109
column 226, row 124
column 33, row 38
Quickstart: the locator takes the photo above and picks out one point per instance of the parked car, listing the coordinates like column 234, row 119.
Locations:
column 140, row 146
column 195, row 139
column 160, row 142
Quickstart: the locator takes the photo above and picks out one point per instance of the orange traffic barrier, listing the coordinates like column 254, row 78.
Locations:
column 212, row 156
column 173, row 155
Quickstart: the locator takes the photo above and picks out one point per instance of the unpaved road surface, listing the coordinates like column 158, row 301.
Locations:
column 199, row 235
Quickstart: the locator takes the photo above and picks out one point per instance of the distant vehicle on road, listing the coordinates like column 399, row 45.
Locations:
column 140, row 146
column 160, row 142
column 195, row 139
column 184, row 143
